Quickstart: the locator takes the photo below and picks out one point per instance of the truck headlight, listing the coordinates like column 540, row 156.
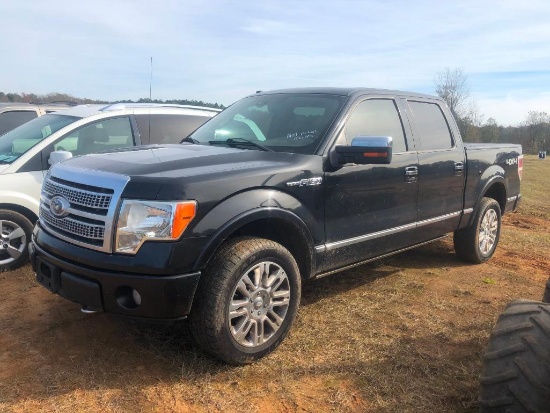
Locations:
column 141, row 221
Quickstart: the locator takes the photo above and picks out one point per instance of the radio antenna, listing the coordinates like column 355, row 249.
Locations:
column 151, row 79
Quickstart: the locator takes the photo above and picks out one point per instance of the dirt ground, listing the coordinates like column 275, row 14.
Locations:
column 403, row 334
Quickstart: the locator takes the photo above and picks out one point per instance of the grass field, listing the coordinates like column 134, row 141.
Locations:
column 405, row 334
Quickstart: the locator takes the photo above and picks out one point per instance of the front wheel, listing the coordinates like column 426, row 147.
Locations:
column 478, row 242
column 15, row 234
column 247, row 299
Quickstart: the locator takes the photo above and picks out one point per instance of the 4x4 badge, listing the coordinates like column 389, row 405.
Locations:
column 306, row 182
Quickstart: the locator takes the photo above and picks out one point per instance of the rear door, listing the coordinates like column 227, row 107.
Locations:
column 441, row 168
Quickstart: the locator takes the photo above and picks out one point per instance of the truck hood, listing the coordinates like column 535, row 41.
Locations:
column 3, row 168
column 177, row 161
column 187, row 171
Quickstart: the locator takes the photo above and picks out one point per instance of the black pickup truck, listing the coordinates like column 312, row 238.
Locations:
column 280, row 187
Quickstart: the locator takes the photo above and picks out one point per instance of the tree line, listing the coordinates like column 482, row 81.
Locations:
column 533, row 133
column 451, row 85
column 64, row 97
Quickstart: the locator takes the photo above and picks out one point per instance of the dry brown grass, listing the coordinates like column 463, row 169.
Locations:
column 402, row 335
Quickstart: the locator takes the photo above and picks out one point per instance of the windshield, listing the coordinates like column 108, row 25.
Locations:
column 280, row 122
column 19, row 140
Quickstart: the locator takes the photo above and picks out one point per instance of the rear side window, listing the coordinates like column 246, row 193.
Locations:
column 162, row 129
column 431, row 126
column 376, row 117
column 11, row 120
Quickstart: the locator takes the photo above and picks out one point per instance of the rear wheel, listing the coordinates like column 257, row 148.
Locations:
column 516, row 367
column 247, row 299
column 478, row 242
column 16, row 231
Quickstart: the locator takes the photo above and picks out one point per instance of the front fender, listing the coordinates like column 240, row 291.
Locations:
column 22, row 189
column 254, row 205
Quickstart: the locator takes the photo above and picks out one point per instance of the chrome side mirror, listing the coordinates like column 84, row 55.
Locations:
column 365, row 150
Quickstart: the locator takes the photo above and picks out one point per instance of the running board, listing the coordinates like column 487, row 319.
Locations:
column 379, row 257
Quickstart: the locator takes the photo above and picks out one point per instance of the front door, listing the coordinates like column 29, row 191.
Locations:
column 371, row 209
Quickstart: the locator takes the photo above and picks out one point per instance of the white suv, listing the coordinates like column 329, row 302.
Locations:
column 27, row 151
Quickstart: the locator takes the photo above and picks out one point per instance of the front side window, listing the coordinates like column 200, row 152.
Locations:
column 376, row 117
column 19, row 140
column 160, row 129
column 431, row 126
column 99, row 136
column 293, row 123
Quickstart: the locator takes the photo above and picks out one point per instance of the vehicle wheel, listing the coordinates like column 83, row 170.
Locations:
column 16, row 231
column 478, row 242
column 246, row 301
column 516, row 366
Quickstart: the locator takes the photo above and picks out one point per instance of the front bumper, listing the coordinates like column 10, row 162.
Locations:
column 159, row 297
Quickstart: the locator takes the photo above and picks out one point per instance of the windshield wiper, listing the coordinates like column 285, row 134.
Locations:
column 190, row 139
column 241, row 141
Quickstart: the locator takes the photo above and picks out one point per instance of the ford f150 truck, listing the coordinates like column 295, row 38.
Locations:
column 280, row 187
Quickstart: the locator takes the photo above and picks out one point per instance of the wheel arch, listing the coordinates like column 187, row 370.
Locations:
column 497, row 191
column 276, row 224
column 494, row 188
column 26, row 212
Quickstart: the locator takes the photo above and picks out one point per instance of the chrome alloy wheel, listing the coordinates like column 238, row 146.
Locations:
column 259, row 304
column 12, row 242
column 488, row 231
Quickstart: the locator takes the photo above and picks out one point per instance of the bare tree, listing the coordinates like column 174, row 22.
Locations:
column 452, row 86
column 537, row 126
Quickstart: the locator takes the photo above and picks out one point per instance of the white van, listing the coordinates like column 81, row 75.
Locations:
column 27, row 151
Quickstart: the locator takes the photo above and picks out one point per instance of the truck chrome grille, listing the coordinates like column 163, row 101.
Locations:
column 78, row 196
column 73, row 226
column 79, row 206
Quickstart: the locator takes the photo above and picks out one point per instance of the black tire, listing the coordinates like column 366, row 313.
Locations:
column 16, row 232
column 467, row 240
column 210, row 321
column 516, row 364
column 546, row 295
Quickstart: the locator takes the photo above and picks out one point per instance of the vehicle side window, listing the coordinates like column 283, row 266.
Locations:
column 376, row 117
column 13, row 119
column 431, row 126
column 99, row 136
column 171, row 128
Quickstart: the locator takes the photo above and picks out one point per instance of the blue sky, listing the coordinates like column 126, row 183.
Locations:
column 220, row 51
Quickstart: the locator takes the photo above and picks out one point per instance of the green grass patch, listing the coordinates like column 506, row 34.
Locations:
column 534, row 187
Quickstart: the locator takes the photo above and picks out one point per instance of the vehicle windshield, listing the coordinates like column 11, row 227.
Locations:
column 19, row 140
column 291, row 122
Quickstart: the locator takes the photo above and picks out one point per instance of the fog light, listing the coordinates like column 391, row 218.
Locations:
column 127, row 297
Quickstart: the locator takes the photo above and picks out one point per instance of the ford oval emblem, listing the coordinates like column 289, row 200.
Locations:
column 59, row 206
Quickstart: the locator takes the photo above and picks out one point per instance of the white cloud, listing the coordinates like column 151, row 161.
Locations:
column 512, row 110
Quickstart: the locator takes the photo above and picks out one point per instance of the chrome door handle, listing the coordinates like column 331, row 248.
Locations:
column 411, row 174
column 459, row 168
